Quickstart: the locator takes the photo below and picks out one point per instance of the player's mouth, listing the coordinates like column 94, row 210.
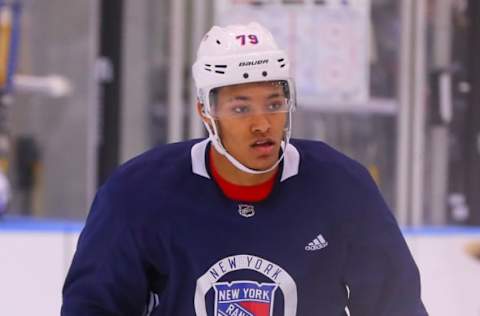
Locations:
column 264, row 146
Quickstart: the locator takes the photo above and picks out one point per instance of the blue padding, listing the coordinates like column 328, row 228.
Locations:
column 21, row 224
column 31, row 224
column 441, row 230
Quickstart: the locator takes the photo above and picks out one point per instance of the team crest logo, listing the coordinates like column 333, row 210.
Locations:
column 246, row 210
column 244, row 298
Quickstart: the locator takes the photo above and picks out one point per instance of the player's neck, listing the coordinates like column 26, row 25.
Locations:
column 234, row 175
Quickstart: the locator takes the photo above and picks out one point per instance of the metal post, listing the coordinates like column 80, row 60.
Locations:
column 403, row 119
column 134, row 138
column 419, row 112
column 439, row 134
column 199, row 28
column 93, row 108
column 472, row 152
column 111, row 49
column 176, row 74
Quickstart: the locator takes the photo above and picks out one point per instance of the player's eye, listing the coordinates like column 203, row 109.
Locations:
column 240, row 109
column 272, row 107
column 276, row 106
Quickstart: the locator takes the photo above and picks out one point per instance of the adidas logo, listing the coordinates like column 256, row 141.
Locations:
column 318, row 243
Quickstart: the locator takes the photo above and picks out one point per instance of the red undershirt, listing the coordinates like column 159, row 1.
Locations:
column 245, row 193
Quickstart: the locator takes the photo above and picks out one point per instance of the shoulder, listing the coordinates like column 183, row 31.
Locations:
column 152, row 175
column 332, row 175
column 317, row 156
column 163, row 159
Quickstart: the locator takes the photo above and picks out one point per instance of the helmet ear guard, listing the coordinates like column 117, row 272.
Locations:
column 239, row 54
column 202, row 108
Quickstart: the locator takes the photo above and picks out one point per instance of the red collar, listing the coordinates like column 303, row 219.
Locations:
column 245, row 193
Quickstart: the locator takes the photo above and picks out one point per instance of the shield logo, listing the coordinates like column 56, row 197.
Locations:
column 246, row 210
column 244, row 298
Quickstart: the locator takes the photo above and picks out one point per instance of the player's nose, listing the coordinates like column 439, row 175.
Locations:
column 260, row 123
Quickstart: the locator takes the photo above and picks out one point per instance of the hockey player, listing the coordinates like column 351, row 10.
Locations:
column 246, row 222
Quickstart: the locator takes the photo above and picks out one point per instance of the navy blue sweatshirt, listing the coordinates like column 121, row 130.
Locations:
column 162, row 239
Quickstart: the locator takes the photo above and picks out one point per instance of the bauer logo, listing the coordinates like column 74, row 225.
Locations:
column 244, row 298
column 253, row 62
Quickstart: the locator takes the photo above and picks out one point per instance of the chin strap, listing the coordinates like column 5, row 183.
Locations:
column 217, row 143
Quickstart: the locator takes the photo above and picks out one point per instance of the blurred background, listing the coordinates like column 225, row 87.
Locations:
column 86, row 85
column 390, row 83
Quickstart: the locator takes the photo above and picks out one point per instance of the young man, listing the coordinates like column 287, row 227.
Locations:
column 244, row 222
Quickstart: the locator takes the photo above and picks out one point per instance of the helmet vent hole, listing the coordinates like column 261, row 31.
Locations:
column 280, row 60
column 245, row 75
column 283, row 65
column 220, row 69
column 264, row 73
column 218, row 42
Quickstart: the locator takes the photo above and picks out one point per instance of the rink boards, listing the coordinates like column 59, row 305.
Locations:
column 35, row 256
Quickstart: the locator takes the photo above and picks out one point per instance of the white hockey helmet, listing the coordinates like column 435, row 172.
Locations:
column 238, row 54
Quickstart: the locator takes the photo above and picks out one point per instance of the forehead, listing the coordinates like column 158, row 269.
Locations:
column 251, row 90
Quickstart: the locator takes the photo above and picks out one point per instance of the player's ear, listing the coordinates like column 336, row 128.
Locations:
column 203, row 115
column 201, row 112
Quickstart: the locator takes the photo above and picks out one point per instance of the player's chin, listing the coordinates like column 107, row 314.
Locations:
column 263, row 162
column 263, row 158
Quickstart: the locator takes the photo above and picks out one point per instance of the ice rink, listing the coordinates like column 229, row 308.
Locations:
column 37, row 253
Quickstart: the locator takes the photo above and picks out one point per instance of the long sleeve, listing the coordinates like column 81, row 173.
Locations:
column 108, row 274
column 381, row 274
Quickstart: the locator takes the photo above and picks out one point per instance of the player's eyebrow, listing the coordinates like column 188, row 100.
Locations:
column 275, row 95
column 240, row 98
column 247, row 98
